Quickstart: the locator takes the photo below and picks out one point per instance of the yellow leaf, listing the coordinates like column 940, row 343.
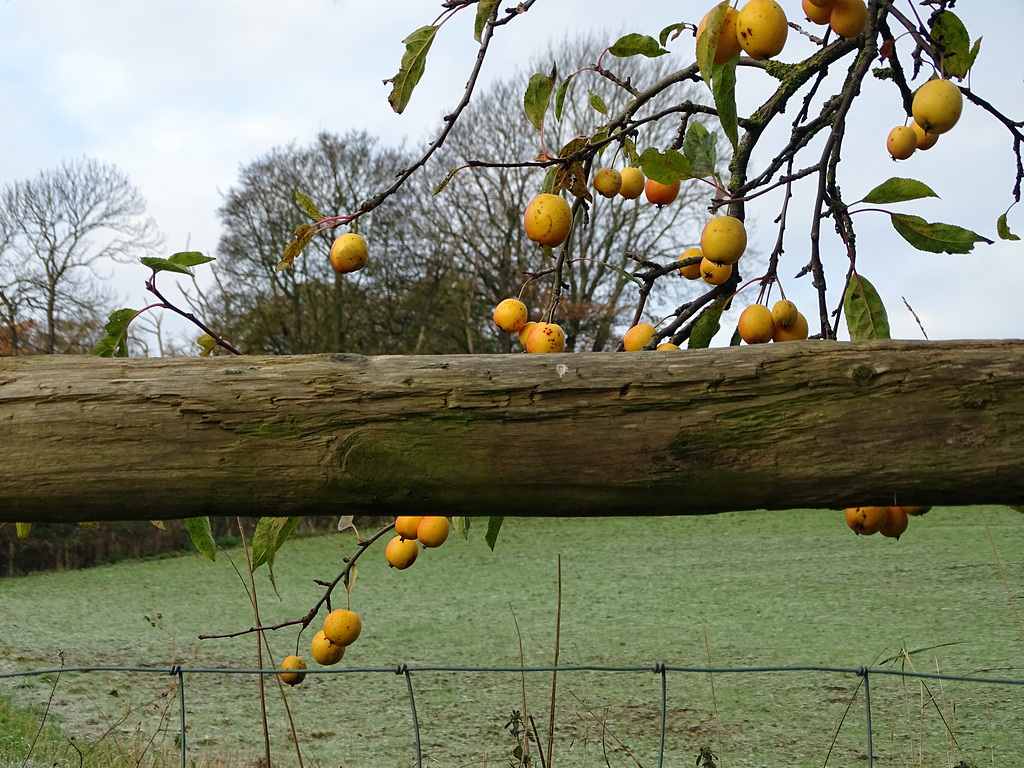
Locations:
column 91, row 526
column 23, row 529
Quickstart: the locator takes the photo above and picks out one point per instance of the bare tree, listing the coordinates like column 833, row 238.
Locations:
column 479, row 214
column 59, row 228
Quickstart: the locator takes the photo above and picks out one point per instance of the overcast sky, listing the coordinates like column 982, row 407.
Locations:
column 179, row 95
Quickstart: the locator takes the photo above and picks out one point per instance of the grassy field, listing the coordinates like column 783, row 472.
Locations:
column 758, row 589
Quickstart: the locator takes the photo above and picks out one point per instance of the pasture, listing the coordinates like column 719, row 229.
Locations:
column 755, row 589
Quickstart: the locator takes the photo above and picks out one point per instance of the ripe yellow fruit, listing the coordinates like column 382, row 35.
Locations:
column 401, row 553
column 524, row 334
column 665, row 345
column 816, row 14
column 866, row 520
column 784, row 313
column 293, row 663
column 755, row 324
column 548, row 219
column 342, row 627
column 924, row 140
column 714, row 273
column 349, row 253
column 823, row 3
column 324, row 651
column 510, row 315
column 937, row 106
column 902, row 142
column 638, row 336
column 433, row 530
column 728, row 43
column 608, row 182
column 849, row 17
column 895, row 524
column 405, row 525
column 915, row 511
column 795, row 332
column 723, row 239
column 546, row 337
column 632, row 182
column 691, row 272
column 661, row 194
column 762, row 28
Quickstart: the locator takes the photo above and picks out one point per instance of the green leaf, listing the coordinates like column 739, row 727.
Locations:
column 202, row 536
column 897, row 190
column 707, row 41
column 189, row 258
column 23, row 530
column 954, row 43
column 620, row 271
column 707, row 325
column 635, row 44
column 1003, row 228
column 598, row 103
column 538, row 96
column 164, row 265
column 270, row 535
column 309, row 206
column 292, row 249
column 414, row 61
column 723, row 88
column 671, row 32
column 865, row 312
column 208, row 343
column 1017, row 507
column 665, row 167
column 493, row 526
column 447, row 180
column 935, row 238
column 629, row 151
column 736, row 338
column 115, row 343
column 563, row 90
column 461, row 524
column 484, row 11
column 699, row 148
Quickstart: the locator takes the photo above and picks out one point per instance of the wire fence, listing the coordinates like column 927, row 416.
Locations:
column 857, row 706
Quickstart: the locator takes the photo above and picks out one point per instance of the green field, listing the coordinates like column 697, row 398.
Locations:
column 758, row 589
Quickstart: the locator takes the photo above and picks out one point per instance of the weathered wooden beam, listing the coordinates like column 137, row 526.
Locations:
column 809, row 424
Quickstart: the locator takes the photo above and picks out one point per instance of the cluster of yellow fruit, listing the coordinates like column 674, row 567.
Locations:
column 627, row 183
column 341, row 629
column 511, row 316
column 888, row 521
column 349, row 253
column 722, row 241
column 783, row 322
column 846, row 17
column 428, row 530
column 936, row 108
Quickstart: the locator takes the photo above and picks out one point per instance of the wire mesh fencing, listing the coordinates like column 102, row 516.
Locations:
column 648, row 716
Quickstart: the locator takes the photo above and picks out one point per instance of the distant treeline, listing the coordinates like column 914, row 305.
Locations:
column 67, row 547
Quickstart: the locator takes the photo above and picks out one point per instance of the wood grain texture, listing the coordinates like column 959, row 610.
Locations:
column 775, row 426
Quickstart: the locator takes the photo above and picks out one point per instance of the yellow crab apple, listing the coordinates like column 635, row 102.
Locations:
column 937, row 106
column 546, row 337
column 608, row 182
column 723, row 240
column 510, row 315
column 548, row 219
column 762, row 28
column 349, row 253
column 632, row 182
column 637, row 337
